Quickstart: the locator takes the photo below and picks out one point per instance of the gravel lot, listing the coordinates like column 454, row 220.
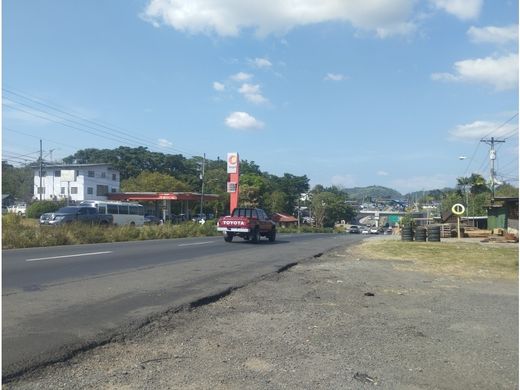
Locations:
column 334, row 322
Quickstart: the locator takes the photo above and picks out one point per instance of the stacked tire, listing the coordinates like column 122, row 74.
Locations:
column 407, row 233
column 434, row 233
column 420, row 234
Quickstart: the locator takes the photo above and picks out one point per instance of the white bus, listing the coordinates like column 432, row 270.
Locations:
column 125, row 213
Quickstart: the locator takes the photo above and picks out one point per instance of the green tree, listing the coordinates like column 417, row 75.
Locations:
column 153, row 182
column 328, row 208
column 450, row 198
column 506, row 190
column 18, row 182
column 276, row 201
column 291, row 185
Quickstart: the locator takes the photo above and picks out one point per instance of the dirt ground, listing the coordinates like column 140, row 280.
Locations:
column 335, row 322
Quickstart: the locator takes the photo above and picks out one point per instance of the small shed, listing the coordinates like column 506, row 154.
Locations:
column 284, row 220
column 503, row 214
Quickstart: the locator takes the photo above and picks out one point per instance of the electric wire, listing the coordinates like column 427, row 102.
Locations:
column 125, row 136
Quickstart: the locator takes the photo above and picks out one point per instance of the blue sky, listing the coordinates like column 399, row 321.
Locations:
column 349, row 93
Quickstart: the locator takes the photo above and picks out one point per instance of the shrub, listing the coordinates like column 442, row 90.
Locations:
column 44, row 206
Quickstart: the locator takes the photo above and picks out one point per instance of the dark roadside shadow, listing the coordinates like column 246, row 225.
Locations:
column 240, row 241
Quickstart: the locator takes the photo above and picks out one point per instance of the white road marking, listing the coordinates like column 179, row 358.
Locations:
column 197, row 243
column 66, row 256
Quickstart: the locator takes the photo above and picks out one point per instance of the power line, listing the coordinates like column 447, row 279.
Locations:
column 34, row 136
column 487, row 135
column 125, row 135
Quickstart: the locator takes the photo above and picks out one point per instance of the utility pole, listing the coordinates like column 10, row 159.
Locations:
column 202, row 178
column 41, row 169
column 492, row 156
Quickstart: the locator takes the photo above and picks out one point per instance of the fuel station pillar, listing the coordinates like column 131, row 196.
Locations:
column 233, row 188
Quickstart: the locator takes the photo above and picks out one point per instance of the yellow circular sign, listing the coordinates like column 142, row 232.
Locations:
column 458, row 209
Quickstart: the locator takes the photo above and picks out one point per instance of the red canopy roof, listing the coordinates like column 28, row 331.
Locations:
column 144, row 196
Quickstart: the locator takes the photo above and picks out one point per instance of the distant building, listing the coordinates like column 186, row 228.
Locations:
column 76, row 182
column 284, row 220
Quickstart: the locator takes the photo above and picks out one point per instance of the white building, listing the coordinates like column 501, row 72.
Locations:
column 76, row 181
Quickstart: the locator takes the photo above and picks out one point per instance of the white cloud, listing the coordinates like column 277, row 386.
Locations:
column 492, row 34
column 164, row 143
column 218, row 86
column 501, row 73
column 334, row 77
column 252, row 93
column 241, row 76
column 479, row 129
column 382, row 173
column 462, row 9
column 242, row 120
column 228, row 17
column 260, row 63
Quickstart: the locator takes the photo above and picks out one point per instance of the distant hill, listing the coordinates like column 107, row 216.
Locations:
column 372, row 192
column 435, row 194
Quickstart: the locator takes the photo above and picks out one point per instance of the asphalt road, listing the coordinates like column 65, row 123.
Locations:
column 59, row 300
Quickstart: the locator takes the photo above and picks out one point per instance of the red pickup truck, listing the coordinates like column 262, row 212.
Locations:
column 248, row 223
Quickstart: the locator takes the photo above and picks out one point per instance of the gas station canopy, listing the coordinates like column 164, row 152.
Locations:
column 154, row 196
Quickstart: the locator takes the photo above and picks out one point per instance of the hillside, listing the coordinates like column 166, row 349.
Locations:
column 372, row 192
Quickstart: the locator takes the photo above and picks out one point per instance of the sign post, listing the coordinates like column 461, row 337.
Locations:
column 233, row 187
column 458, row 209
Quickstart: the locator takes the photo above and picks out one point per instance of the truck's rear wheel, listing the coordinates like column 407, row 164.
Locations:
column 228, row 237
column 255, row 235
column 272, row 235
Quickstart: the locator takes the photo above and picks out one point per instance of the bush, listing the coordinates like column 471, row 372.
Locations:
column 43, row 206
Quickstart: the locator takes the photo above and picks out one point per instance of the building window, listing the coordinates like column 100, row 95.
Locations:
column 41, row 190
column 114, row 189
column 91, row 174
column 62, row 191
column 101, row 190
column 57, row 173
column 114, row 176
column 73, row 190
column 90, row 190
column 103, row 175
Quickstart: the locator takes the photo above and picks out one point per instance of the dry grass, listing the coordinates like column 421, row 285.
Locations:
column 454, row 258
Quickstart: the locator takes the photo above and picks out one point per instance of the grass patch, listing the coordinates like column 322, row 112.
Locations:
column 18, row 232
column 454, row 258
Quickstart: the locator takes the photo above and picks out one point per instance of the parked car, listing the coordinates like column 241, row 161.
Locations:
column 151, row 220
column 374, row 230
column 365, row 230
column 71, row 214
column 19, row 209
column 199, row 217
column 354, row 229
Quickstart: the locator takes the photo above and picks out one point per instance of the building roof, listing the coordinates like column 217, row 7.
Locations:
column 47, row 165
column 144, row 196
column 281, row 217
